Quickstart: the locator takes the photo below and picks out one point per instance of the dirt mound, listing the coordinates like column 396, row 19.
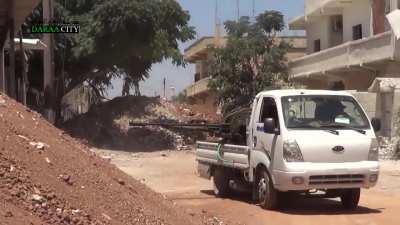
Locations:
column 46, row 177
column 106, row 125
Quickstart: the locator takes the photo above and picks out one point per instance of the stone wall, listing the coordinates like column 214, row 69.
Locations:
column 374, row 106
column 368, row 102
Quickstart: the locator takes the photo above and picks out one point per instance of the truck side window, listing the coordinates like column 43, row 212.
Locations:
column 268, row 110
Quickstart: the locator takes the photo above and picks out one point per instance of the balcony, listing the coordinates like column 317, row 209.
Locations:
column 364, row 52
column 316, row 8
column 198, row 88
column 325, row 7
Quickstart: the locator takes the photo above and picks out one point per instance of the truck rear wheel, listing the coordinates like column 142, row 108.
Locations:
column 350, row 198
column 267, row 194
column 221, row 182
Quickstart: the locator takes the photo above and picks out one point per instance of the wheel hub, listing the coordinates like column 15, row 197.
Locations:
column 262, row 189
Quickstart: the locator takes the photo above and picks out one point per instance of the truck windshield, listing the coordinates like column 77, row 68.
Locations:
column 323, row 112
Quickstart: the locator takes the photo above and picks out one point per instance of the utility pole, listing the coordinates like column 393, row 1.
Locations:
column 2, row 77
column 217, row 38
column 238, row 9
column 48, row 63
column 164, row 84
column 24, row 81
column 254, row 9
column 12, row 84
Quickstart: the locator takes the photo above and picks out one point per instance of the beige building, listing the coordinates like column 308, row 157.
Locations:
column 351, row 46
column 198, row 53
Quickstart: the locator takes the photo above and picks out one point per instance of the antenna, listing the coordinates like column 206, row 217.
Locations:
column 217, row 37
column 217, row 21
column 254, row 9
column 238, row 9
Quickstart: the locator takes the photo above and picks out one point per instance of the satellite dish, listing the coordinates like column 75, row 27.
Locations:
column 394, row 21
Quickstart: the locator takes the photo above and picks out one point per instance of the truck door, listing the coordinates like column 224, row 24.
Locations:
column 264, row 142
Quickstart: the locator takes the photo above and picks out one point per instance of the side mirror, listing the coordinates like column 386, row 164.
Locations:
column 270, row 126
column 376, row 124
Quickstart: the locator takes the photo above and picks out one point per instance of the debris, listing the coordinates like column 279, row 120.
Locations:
column 23, row 137
column 37, row 198
column 12, row 168
column 163, row 155
column 106, row 157
column 48, row 160
column 75, row 211
column 121, row 182
column 20, row 115
column 106, row 216
column 8, row 214
column 67, row 179
column 38, row 145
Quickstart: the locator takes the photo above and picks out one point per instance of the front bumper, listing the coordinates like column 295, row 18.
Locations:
column 307, row 176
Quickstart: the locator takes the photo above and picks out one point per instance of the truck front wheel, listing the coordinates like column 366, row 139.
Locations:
column 221, row 182
column 350, row 198
column 267, row 194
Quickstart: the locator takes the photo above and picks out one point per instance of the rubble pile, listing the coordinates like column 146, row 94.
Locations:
column 47, row 177
column 107, row 125
column 389, row 148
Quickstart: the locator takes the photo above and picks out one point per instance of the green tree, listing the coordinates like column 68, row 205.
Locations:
column 253, row 60
column 118, row 39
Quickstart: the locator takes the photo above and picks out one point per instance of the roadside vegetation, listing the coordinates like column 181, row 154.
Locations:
column 253, row 60
column 118, row 39
column 180, row 98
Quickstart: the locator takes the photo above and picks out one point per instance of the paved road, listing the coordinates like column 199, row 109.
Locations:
column 173, row 174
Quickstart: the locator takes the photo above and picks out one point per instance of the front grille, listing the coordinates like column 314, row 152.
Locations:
column 337, row 179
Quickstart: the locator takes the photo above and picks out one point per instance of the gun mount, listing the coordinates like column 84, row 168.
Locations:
column 233, row 130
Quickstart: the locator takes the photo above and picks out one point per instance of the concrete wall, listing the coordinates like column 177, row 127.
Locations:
column 396, row 113
column 318, row 29
column 385, row 106
column 359, row 12
column 368, row 102
column 335, row 37
column 77, row 101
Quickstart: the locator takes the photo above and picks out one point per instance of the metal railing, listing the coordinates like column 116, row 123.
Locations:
column 198, row 87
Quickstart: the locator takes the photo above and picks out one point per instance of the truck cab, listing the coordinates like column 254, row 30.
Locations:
column 301, row 141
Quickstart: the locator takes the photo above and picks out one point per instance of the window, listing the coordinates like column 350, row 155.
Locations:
column 357, row 32
column 317, row 45
column 323, row 112
column 268, row 110
column 387, row 6
column 337, row 23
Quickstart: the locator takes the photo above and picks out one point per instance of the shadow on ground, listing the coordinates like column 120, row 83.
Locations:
column 300, row 205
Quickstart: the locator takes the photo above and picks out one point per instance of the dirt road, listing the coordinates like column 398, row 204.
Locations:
column 173, row 174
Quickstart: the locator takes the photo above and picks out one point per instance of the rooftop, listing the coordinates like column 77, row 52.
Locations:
column 198, row 50
column 292, row 92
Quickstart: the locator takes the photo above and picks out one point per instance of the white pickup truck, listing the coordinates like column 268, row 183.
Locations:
column 302, row 141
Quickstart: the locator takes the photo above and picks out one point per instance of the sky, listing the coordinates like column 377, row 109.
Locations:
column 203, row 19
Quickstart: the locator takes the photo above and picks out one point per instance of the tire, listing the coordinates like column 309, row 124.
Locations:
column 267, row 194
column 221, row 183
column 350, row 198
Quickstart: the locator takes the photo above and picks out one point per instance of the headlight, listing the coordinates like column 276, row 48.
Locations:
column 373, row 154
column 291, row 151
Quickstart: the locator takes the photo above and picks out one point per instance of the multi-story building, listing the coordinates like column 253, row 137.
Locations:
column 351, row 46
column 198, row 53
